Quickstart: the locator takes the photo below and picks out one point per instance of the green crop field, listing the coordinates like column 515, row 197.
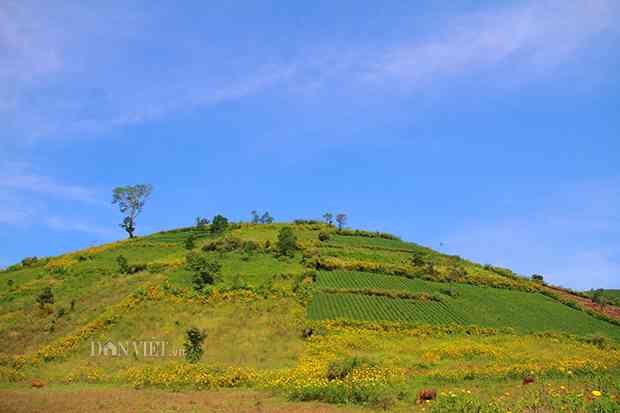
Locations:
column 363, row 307
column 485, row 306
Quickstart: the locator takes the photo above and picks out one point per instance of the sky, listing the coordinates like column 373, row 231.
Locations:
column 487, row 129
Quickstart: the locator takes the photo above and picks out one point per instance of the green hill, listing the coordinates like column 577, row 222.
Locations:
column 347, row 316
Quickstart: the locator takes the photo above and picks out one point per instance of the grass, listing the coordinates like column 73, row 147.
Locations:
column 281, row 339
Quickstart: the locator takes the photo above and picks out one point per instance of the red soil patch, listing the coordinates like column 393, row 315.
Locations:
column 608, row 310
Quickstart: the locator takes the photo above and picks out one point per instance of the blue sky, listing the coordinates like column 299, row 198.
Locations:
column 487, row 129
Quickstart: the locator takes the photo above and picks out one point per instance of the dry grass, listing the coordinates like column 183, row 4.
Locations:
column 81, row 399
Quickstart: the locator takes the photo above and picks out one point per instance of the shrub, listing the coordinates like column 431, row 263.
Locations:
column 227, row 244
column 307, row 222
column 204, row 270
column 10, row 283
column 29, row 261
column 250, row 247
column 61, row 312
column 219, row 224
column 201, row 223
column 340, row 369
column 287, row 242
column 538, row 278
column 324, row 236
column 193, row 344
column 190, row 242
column 123, row 265
column 45, row 297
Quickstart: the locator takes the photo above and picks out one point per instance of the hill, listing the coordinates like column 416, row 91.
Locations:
column 346, row 316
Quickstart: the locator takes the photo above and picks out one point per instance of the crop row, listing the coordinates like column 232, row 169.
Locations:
column 362, row 280
column 373, row 308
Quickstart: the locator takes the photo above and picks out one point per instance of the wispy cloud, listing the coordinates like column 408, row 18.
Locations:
column 72, row 225
column 25, row 198
column 542, row 239
column 17, row 177
column 55, row 83
column 538, row 35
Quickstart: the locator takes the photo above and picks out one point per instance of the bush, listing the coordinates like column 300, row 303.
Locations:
column 45, row 297
column 30, row 261
column 324, row 236
column 340, row 369
column 307, row 222
column 219, row 224
column 125, row 268
column 123, row 265
column 538, row 278
column 204, row 270
column 227, row 244
column 201, row 223
column 190, row 242
column 287, row 242
column 250, row 247
column 61, row 312
column 193, row 344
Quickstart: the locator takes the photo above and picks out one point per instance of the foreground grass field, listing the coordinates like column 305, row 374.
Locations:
column 350, row 318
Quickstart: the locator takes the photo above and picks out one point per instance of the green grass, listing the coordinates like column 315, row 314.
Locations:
column 484, row 306
column 363, row 307
column 265, row 332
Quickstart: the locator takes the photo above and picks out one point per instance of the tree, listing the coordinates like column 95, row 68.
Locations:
column 45, row 297
column 341, row 219
column 193, row 344
column 538, row 278
column 266, row 218
column 255, row 217
column 131, row 200
column 599, row 298
column 328, row 218
column 287, row 241
column 201, row 222
column 219, row 224
column 204, row 270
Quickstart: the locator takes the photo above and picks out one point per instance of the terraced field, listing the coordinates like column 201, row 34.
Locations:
column 484, row 306
column 371, row 308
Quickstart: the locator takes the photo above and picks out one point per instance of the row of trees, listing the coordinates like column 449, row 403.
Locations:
column 341, row 219
column 132, row 198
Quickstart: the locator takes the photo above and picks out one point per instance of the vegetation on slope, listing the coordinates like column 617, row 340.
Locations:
column 254, row 310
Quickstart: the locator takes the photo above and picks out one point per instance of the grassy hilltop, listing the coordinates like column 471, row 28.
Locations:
column 349, row 316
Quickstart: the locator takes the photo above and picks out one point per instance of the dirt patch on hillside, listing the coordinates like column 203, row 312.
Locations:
column 94, row 399
column 608, row 310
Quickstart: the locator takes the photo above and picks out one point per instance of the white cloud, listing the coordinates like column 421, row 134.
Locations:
column 60, row 79
column 17, row 177
column 63, row 224
column 538, row 35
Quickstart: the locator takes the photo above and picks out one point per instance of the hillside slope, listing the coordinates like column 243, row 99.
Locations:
column 278, row 322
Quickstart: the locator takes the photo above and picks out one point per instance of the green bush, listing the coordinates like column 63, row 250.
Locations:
column 340, row 369
column 193, row 344
column 219, row 224
column 30, row 261
column 324, row 236
column 204, row 270
column 123, row 265
column 45, row 297
column 287, row 242
column 190, row 242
